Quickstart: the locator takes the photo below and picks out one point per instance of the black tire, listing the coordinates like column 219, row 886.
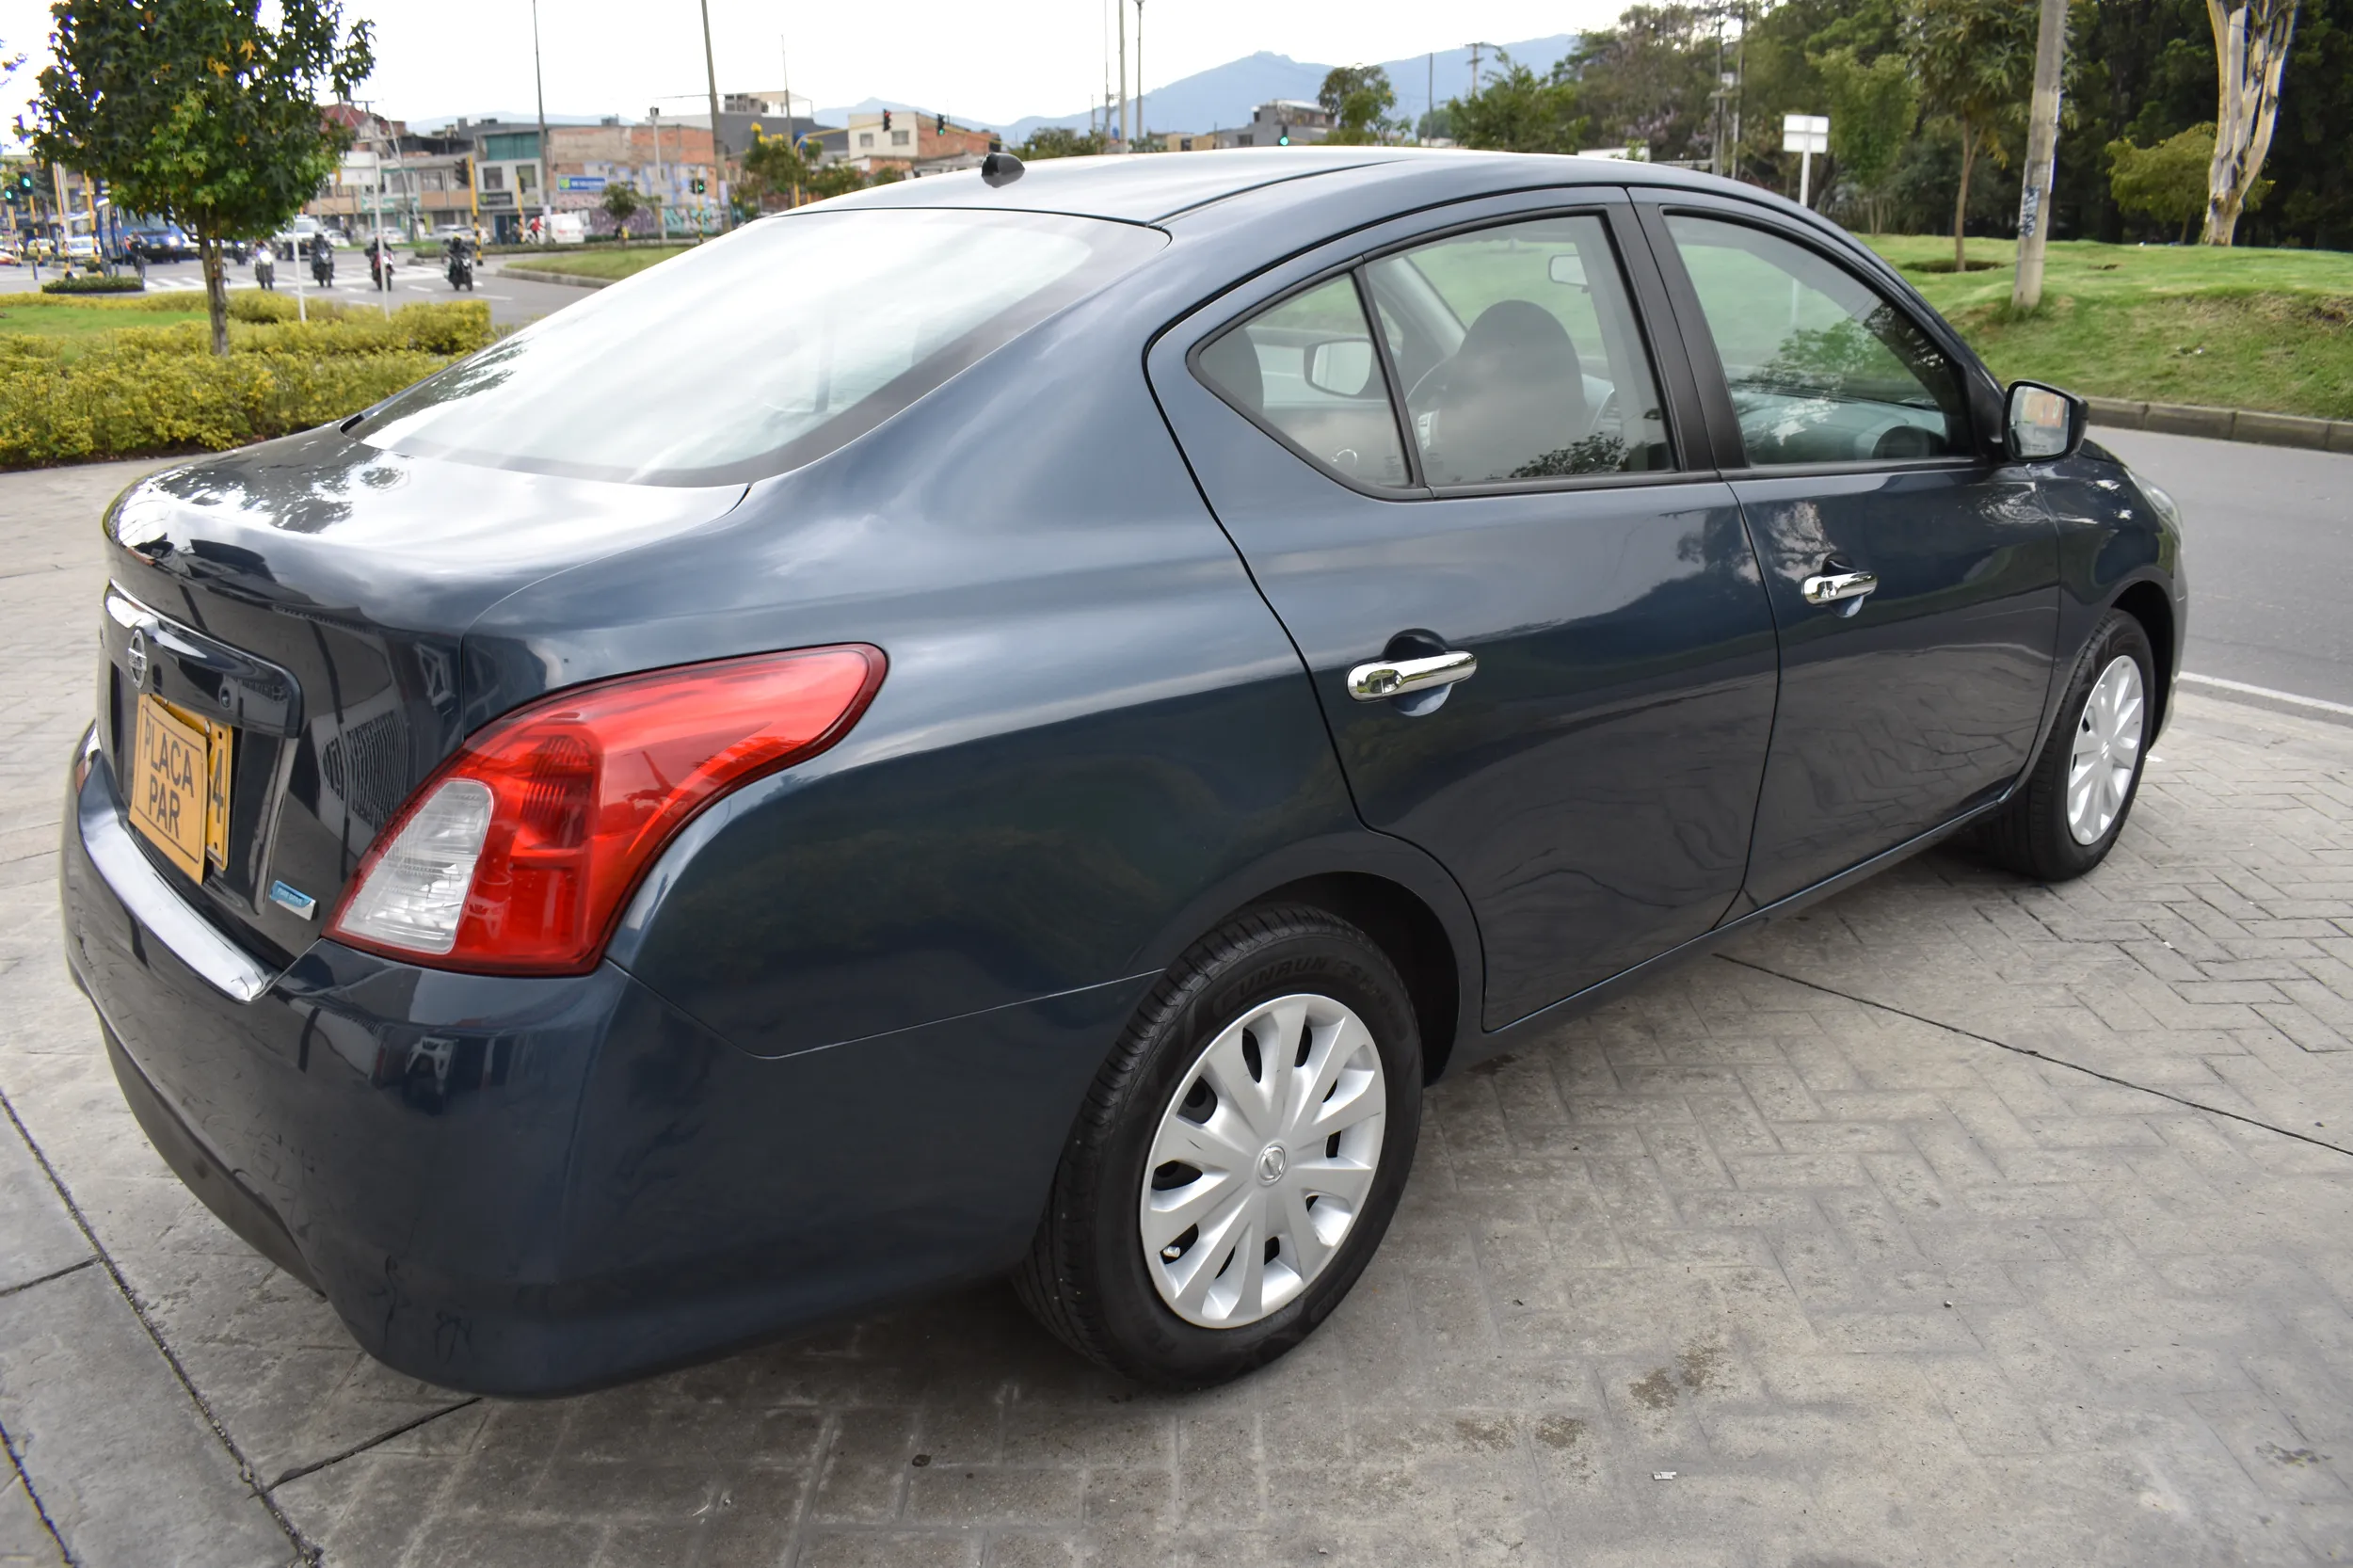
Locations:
column 2030, row 835
column 1085, row 1277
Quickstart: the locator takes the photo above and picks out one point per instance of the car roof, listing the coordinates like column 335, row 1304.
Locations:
column 1131, row 189
column 1156, row 188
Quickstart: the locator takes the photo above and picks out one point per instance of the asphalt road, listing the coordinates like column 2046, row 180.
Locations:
column 2268, row 536
column 512, row 301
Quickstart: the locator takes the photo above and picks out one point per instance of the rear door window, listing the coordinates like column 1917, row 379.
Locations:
column 1306, row 370
column 1821, row 368
column 1519, row 355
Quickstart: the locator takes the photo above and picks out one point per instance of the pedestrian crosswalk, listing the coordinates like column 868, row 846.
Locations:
column 358, row 288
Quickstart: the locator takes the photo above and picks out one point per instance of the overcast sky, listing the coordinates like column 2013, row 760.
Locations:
column 438, row 57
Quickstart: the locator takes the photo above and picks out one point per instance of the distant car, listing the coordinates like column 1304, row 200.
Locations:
column 9, row 255
column 81, row 246
column 692, row 822
column 295, row 238
column 159, row 241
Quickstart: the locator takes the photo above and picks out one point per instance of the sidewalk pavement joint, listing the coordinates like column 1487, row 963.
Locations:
column 304, row 1550
column 2039, row 1056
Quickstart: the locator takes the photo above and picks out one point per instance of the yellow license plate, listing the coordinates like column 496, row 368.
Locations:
column 180, row 785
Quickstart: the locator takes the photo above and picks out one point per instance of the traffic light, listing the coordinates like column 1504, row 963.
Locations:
column 885, row 120
column 939, row 125
column 700, row 184
column 1284, row 139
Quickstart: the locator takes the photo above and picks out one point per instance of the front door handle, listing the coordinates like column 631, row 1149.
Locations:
column 1832, row 587
column 1387, row 678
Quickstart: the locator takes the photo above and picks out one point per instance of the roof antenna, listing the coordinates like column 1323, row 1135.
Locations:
column 999, row 169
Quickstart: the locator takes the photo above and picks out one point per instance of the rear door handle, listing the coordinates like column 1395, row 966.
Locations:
column 1832, row 587
column 1387, row 678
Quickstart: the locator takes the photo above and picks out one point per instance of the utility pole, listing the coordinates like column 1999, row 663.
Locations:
column 718, row 158
column 1475, row 49
column 1429, row 98
column 2050, row 48
column 660, row 187
column 1122, row 13
column 1143, row 130
column 539, row 83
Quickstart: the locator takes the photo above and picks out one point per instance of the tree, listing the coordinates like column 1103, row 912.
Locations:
column 621, row 203
column 1872, row 110
column 1973, row 59
column 1058, row 141
column 1649, row 81
column 1518, row 111
column 1358, row 97
column 196, row 110
column 773, row 167
column 2166, row 181
column 2250, row 46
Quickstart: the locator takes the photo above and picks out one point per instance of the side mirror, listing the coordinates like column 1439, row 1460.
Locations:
column 1341, row 366
column 1566, row 268
column 2042, row 423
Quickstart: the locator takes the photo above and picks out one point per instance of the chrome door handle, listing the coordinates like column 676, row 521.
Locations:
column 1389, row 677
column 1832, row 587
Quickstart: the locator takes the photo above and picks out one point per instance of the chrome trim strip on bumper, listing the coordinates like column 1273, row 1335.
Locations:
column 152, row 901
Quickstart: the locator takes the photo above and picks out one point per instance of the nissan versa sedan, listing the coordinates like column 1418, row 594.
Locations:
column 1013, row 724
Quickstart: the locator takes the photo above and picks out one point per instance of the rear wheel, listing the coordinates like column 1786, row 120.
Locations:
column 2065, row 816
column 1238, row 1157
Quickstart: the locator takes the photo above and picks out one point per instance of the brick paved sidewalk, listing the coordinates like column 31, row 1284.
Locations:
column 1962, row 1222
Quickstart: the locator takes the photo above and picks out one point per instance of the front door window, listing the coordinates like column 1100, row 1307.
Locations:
column 1821, row 368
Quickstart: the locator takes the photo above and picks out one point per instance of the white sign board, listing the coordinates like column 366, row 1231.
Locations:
column 1805, row 132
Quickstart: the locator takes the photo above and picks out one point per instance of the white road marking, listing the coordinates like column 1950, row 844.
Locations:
column 2268, row 693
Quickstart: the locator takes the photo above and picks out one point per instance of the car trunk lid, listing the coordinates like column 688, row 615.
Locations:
column 312, row 594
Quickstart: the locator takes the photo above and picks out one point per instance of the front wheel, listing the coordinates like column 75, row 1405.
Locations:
column 2067, row 814
column 1238, row 1157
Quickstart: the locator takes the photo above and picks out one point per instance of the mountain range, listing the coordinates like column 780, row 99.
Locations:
column 1220, row 96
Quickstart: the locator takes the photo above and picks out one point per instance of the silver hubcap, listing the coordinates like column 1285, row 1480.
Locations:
column 1262, row 1160
column 2106, row 750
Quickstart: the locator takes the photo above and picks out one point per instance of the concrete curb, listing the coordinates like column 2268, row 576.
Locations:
column 2224, row 424
column 531, row 275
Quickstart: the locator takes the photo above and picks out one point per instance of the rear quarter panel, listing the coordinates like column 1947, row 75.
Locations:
column 1091, row 719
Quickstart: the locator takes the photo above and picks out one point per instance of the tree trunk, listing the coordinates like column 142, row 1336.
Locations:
column 2251, row 48
column 215, row 289
column 1960, row 203
column 2034, row 197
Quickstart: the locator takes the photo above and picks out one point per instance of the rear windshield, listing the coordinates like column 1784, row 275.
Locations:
column 761, row 351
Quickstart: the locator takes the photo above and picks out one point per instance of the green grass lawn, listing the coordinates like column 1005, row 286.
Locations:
column 2232, row 329
column 82, row 324
column 601, row 264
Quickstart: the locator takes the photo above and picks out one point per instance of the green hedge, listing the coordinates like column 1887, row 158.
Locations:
column 149, row 390
column 93, row 283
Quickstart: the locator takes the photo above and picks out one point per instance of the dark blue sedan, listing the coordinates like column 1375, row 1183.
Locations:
column 1014, row 722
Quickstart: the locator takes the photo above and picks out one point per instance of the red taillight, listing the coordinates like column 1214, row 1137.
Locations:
column 521, row 851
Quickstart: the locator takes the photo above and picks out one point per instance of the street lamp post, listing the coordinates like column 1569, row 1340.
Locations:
column 718, row 160
column 539, row 83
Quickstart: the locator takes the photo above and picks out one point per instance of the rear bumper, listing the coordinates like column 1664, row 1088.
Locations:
column 526, row 1186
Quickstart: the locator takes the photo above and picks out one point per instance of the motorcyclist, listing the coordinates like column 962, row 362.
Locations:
column 322, row 259
column 380, row 260
column 264, row 267
column 460, row 252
